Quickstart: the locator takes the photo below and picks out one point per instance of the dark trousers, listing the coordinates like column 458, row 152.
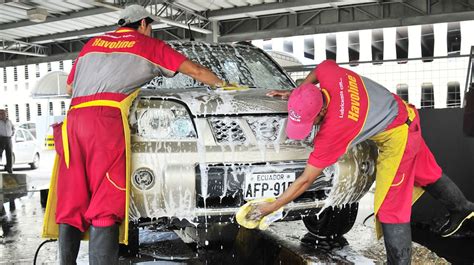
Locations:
column 6, row 144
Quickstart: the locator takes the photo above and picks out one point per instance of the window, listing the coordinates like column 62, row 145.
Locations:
column 16, row 87
column 49, row 66
column 402, row 91
column 28, row 114
column 27, row 86
column 427, row 96
column 267, row 46
column 402, row 43
column 454, row 38
column 15, row 74
column 427, row 42
column 63, row 108
column 61, row 65
column 17, row 113
column 19, row 136
column 288, row 46
column 28, row 136
column 38, row 109
column 331, row 46
column 5, row 87
column 37, row 70
column 309, row 48
column 454, row 95
column 377, row 45
column 27, row 74
column 6, row 110
column 51, row 110
column 354, row 47
column 4, row 75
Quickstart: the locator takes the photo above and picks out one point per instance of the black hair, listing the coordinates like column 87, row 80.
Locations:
column 135, row 25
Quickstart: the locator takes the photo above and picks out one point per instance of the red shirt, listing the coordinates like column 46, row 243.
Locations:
column 357, row 109
column 121, row 61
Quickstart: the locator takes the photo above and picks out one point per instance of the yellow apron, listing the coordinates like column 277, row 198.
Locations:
column 391, row 144
column 50, row 227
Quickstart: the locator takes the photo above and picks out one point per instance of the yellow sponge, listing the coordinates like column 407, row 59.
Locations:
column 261, row 224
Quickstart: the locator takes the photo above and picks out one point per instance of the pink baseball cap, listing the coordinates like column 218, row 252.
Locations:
column 304, row 105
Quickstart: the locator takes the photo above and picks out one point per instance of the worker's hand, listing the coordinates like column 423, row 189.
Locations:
column 260, row 210
column 284, row 94
column 230, row 87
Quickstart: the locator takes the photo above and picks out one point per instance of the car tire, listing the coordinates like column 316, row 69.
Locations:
column 333, row 222
column 35, row 163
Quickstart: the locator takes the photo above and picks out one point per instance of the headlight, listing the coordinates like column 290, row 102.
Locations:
column 159, row 119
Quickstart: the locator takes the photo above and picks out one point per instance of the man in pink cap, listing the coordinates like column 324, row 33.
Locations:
column 350, row 109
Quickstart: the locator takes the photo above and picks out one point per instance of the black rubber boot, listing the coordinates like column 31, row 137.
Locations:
column 69, row 242
column 397, row 239
column 103, row 245
column 460, row 209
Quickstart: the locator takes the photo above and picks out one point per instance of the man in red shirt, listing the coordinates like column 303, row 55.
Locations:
column 350, row 109
column 92, row 145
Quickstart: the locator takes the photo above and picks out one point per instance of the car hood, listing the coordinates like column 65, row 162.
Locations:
column 202, row 101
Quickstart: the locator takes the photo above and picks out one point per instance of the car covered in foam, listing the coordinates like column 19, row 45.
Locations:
column 199, row 154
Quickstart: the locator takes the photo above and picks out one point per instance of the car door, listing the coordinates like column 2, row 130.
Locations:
column 30, row 144
column 20, row 147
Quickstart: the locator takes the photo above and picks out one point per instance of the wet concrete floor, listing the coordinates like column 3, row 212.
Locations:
column 282, row 243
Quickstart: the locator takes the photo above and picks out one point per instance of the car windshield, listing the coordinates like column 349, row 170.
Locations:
column 241, row 64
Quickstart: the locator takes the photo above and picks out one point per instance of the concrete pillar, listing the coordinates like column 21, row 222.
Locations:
column 467, row 38
column 389, row 43
column 342, row 47
column 319, row 48
column 414, row 41
column 440, row 31
column 365, row 40
column 214, row 37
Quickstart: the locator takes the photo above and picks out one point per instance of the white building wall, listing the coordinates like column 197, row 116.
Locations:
column 467, row 36
column 19, row 92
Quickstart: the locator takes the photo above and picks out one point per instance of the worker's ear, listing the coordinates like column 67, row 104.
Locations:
column 143, row 23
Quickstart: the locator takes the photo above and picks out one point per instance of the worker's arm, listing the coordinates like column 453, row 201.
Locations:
column 200, row 73
column 301, row 184
column 284, row 94
column 310, row 79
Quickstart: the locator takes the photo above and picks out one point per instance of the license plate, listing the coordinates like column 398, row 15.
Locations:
column 263, row 185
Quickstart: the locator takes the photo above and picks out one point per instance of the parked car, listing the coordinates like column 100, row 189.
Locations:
column 199, row 154
column 25, row 149
column 29, row 126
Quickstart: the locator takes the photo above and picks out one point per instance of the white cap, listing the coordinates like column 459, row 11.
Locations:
column 133, row 13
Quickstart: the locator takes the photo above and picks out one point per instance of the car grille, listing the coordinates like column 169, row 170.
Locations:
column 227, row 130
column 225, row 184
column 266, row 129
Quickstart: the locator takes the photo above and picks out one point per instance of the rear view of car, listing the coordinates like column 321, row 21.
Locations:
column 199, row 154
column 25, row 150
